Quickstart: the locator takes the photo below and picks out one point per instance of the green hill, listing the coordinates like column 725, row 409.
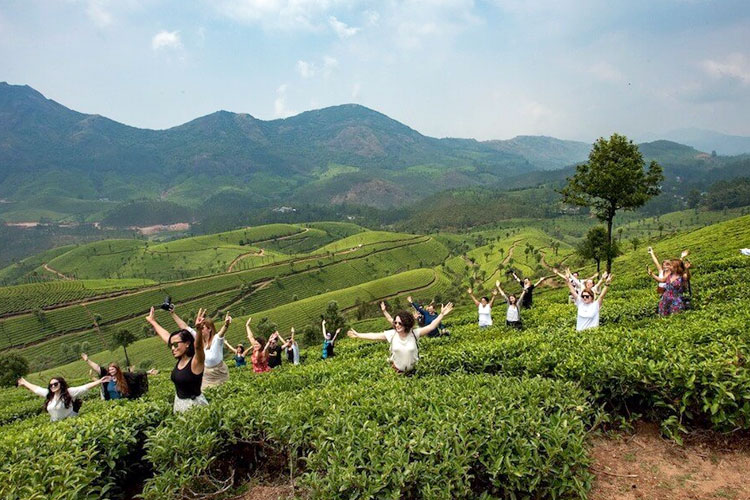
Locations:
column 519, row 407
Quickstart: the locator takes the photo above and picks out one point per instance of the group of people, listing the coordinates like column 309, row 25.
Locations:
column 199, row 350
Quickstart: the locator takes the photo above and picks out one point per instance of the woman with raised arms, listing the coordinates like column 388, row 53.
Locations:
column 259, row 357
column 588, row 304
column 187, row 374
column 513, row 315
column 58, row 396
column 403, row 338
column 484, row 307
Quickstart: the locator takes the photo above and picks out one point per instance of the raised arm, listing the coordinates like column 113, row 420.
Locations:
column 250, row 336
column 561, row 275
column 655, row 259
column 92, row 364
column 77, row 391
column 499, row 289
column 444, row 311
column 494, row 296
column 333, row 340
column 572, row 288
column 273, row 336
column 657, row 278
column 592, row 278
column 196, row 365
column 366, row 336
column 176, row 318
column 229, row 346
column 415, row 305
column 539, row 281
column 160, row 330
column 39, row 391
column 599, row 284
column 605, row 289
column 384, row 309
column 515, row 277
column 323, row 327
column 471, row 294
column 223, row 329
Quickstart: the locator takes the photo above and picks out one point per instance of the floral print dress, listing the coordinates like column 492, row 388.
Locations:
column 672, row 300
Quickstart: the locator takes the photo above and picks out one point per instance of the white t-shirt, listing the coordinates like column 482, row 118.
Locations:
column 404, row 352
column 485, row 315
column 56, row 407
column 512, row 314
column 588, row 315
column 661, row 276
column 214, row 352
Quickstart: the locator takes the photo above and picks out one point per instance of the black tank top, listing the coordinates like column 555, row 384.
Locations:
column 186, row 383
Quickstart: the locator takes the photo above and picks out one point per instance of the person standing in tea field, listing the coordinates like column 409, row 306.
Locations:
column 59, row 398
column 328, row 341
column 484, row 308
column 215, row 372
column 676, row 286
column 404, row 338
column 291, row 348
column 187, row 349
column 528, row 289
column 513, row 315
column 239, row 354
column 587, row 303
column 128, row 385
column 259, row 357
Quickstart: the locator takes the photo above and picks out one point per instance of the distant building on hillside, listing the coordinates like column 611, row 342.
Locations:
column 284, row 210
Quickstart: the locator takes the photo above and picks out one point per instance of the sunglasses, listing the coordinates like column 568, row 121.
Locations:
column 398, row 323
column 175, row 345
column 55, row 384
column 586, row 296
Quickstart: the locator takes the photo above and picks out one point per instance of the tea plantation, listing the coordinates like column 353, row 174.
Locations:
column 492, row 413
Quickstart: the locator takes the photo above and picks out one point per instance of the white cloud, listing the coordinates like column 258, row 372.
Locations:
column 735, row 66
column 96, row 11
column 279, row 105
column 279, row 14
column 356, row 90
column 165, row 40
column 305, row 69
column 342, row 29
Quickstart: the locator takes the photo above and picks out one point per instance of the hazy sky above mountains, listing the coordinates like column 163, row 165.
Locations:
column 489, row 69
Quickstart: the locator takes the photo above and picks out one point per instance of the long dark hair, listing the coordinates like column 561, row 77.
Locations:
column 66, row 397
column 185, row 336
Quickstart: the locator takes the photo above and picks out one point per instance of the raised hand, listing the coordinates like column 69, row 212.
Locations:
column 382, row 306
column 408, row 299
column 21, row 381
column 446, row 309
column 337, row 331
column 469, row 290
column 84, row 356
column 150, row 317
column 352, row 333
column 497, row 283
column 684, row 254
column 609, row 279
column 247, row 323
column 494, row 292
column 106, row 379
column 228, row 320
column 650, row 251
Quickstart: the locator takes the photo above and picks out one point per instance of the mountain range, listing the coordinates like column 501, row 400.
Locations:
column 60, row 164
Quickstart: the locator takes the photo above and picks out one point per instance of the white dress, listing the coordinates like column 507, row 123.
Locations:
column 56, row 407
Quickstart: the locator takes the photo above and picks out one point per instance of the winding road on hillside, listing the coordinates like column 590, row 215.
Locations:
column 55, row 271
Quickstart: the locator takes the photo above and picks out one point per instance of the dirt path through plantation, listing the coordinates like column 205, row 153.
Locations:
column 644, row 465
column 55, row 271
column 261, row 253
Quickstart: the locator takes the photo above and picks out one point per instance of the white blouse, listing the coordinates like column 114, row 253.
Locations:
column 404, row 351
column 485, row 315
column 56, row 407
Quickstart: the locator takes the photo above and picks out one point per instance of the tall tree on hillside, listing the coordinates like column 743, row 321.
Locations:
column 123, row 338
column 614, row 179
column 595, row 246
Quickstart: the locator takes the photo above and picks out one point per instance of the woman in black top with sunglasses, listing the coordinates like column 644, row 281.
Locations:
column 187, row 374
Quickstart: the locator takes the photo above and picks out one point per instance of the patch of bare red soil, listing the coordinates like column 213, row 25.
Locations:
column 644, row 465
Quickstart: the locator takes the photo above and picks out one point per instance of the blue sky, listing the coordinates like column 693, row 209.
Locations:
column 488, row 69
